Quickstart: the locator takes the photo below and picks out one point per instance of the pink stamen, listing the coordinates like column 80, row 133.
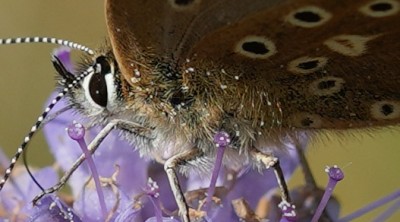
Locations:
column 77, row 132
column 335, row 175
column 221, row 140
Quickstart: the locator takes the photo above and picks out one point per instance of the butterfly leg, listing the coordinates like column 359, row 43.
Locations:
column 308, row 176
column 120, row 124
column 170, row 168
column 270, row 161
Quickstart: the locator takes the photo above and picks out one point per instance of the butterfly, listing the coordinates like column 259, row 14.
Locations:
column 259, row 70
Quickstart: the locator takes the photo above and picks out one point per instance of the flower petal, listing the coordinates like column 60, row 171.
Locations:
column 50, row 208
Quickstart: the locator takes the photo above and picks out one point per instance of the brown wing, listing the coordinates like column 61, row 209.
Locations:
column 167, row 28
column 324, row 64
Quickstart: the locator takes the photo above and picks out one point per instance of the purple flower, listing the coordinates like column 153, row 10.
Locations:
column 134, row 171
column 16, row 195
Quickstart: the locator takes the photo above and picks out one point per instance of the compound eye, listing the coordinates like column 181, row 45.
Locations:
column 98, row 89
column 100, row 86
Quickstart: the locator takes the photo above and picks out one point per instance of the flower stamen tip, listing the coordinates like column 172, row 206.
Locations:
column 288, row 211
column 335, row 173
column 222, row 139
column 152, row 188
column 76, row 131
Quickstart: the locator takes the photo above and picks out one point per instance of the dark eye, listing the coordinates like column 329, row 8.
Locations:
column 98, row 83
column 98, row 89
column 101, row 87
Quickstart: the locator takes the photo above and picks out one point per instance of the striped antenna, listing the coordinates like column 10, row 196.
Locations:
column 35, row 127
column 20, row 40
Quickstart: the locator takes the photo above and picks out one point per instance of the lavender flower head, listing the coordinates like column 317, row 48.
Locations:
column 126, row 191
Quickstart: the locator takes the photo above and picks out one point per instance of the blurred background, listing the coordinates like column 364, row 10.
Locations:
column 372, row 160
